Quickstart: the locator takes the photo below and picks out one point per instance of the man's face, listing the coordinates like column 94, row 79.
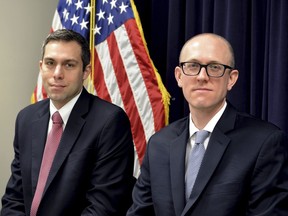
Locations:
column 202, row 92
column 62, row 71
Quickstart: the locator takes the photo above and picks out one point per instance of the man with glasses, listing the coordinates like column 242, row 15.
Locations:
column 241, row 168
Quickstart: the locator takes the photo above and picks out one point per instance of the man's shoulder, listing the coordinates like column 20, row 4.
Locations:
column 35, row 108
column 99, row 109
column 103, row 105
column 246, row 121
column 255, row 129
column 250, row 121
column 173, row 130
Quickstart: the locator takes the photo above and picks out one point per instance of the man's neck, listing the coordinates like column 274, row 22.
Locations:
column 201, row 117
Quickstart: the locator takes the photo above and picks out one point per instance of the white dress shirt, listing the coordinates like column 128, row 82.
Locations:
column 193, row 129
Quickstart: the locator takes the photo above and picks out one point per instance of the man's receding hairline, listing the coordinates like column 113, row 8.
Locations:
column 213, row 36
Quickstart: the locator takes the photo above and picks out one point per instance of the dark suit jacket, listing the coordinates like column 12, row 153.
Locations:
column 92, row 173
column 244, row 171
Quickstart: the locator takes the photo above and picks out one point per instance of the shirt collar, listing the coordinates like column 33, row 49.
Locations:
column 65, row 110
column 210, row 125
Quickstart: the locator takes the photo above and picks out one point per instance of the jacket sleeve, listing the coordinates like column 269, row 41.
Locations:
column 269, row 187
column 142, row 197
column 112, row 178
column 12, row 200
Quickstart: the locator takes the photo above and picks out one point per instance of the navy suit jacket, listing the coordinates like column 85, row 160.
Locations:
column 244, row 171
column 92, row 173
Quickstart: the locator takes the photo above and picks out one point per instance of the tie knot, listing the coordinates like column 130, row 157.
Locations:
column 56, row 118
column 201, row 136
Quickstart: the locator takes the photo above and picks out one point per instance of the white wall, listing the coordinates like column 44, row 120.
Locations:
column 23, row 27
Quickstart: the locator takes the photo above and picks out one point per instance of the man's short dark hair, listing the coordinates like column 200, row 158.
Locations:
column 70, row 35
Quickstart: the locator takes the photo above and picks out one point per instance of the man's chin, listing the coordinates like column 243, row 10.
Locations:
column 56, row 97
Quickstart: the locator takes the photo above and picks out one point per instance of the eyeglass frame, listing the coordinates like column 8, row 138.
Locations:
column 205, row 66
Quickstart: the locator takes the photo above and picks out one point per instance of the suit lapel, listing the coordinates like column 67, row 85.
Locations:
column 217, row 145
column 38, row 143
column 177, row 167
column 70, row 135
column 216, row 148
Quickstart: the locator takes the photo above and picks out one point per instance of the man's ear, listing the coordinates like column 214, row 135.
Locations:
column 40, row 65
column 87, row 71
column 178, row 76
column 233, row 77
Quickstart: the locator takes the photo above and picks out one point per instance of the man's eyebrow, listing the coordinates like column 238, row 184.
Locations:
column 71, row 61
column 66, row 60
column 48, row 58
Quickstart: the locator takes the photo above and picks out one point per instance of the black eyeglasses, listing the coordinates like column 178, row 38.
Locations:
column 212, row 69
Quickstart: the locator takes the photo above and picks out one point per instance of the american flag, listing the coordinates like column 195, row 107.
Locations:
column 124, row 73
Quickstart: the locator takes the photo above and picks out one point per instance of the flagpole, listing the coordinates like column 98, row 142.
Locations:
column 92, row 45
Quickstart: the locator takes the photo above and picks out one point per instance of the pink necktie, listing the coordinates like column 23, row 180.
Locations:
column 51, row 146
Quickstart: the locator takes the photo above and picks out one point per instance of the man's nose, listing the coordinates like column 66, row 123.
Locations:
column 203, row 73
column 58, row 73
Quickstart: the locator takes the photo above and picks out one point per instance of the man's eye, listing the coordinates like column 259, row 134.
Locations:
column 49, row 63
column 215, row 66
column 68, row 65
column 192, row 65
